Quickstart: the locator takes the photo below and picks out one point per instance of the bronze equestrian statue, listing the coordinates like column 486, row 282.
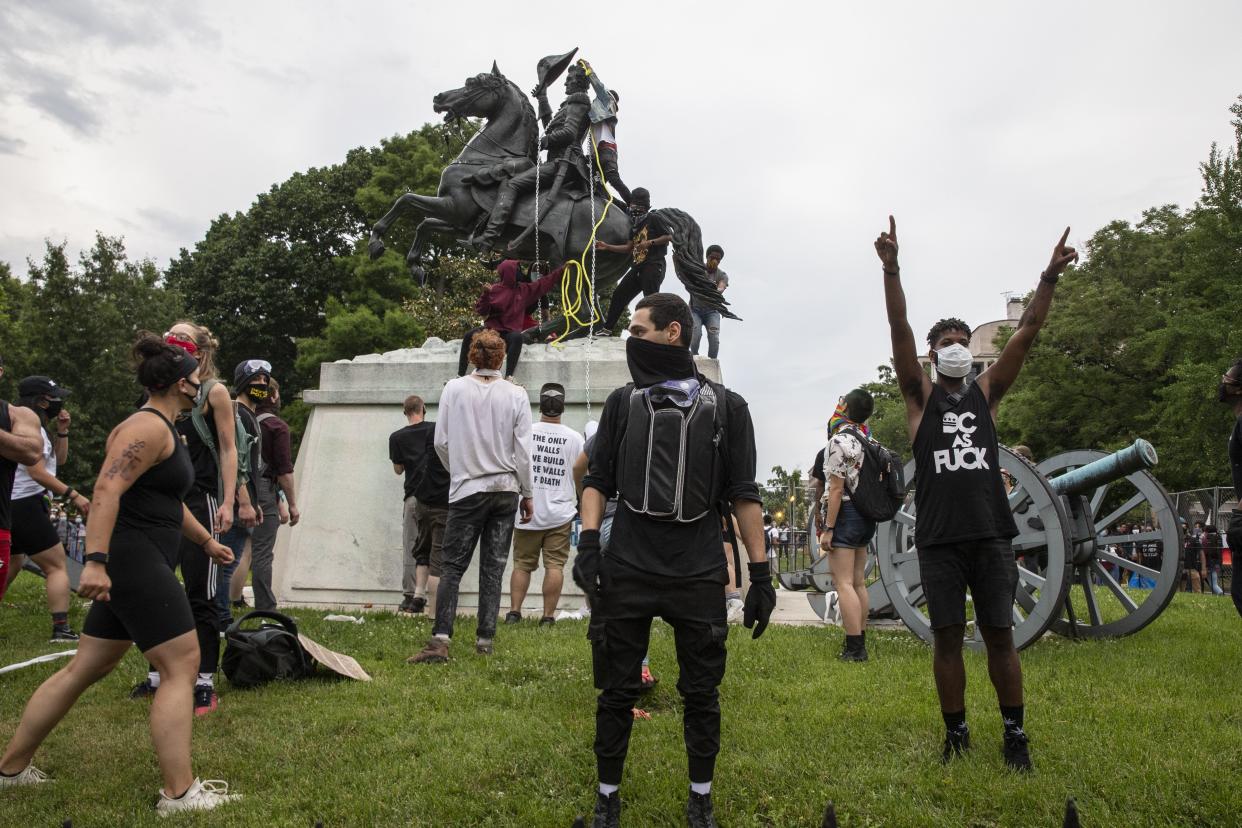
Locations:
column 487, row 194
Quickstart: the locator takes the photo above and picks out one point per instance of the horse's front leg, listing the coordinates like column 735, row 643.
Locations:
column 434, row 206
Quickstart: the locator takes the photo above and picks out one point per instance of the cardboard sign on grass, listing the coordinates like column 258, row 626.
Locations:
column 338, row 663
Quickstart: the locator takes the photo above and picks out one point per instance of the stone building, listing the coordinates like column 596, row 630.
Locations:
column 982, row 339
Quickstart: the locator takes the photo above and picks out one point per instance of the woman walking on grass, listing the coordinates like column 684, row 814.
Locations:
column 136, row 524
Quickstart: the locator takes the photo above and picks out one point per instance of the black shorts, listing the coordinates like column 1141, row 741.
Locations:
column 148, row 605
column 33, row 531
column 852, row 530
column 986, row 565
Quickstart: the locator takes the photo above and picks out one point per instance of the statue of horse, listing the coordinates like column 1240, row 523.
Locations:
column 504, row 146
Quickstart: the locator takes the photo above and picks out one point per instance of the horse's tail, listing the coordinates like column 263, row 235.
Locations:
column 688, row 260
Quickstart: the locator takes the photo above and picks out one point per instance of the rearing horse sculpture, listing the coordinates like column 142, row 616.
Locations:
column 506, row 145
column 503, row 147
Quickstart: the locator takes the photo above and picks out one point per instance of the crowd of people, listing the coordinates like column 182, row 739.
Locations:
column 200, row 477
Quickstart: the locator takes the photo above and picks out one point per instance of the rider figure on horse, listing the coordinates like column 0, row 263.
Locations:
column 563, row 141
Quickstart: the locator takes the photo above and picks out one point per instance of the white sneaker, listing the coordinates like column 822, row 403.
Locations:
column 30, row 776
column 734, row 609
column 203, row 795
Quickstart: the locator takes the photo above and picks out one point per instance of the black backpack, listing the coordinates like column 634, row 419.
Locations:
column 272, row 651
column 881, row 488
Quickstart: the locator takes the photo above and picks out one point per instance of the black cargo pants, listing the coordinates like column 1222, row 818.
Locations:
column 620, row 631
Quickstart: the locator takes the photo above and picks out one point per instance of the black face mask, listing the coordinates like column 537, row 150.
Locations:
column 651, row 362
column 53, row 408
column 1225, row 393
column 258, row 393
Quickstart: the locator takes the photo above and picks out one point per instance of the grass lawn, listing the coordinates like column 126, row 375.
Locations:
column 1143, row 731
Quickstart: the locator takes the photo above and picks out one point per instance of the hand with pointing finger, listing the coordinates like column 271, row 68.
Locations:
column 1062, row 256
column 886, row 247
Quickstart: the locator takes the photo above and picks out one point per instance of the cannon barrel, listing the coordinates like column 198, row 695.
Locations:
column 1138, row 457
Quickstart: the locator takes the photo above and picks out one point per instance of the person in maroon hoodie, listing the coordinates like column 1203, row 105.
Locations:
column 503, row 307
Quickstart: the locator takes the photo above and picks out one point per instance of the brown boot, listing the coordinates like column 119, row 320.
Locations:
column 436, row 652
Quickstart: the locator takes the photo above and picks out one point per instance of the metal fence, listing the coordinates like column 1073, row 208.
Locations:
column 1211, row 507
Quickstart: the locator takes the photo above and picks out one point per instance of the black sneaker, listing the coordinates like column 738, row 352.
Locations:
column 407, row 606
column 699, row 811
column 547, row 621
column 63, row 634
column 607, row 811
column 205, row 699
column 956, row 742
column 240, row 604
column 418, row 605
column 143, row 690
column 1017, row 754
column 513, row 617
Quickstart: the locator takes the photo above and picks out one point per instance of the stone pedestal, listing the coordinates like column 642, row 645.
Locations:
column 346, row 550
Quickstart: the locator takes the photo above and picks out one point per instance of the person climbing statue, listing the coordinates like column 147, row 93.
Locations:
column 563, row 141
column 505, row 308
column 649, row 239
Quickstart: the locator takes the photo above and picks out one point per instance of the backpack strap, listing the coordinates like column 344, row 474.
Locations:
column 266, row 415
column 198, row 418
column 723, row 455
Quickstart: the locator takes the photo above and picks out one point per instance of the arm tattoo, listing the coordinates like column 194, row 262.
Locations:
column 127, row 462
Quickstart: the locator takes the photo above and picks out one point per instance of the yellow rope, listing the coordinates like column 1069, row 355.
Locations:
column 577, row 270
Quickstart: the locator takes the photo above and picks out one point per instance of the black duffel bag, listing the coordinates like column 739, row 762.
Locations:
column 266, row 653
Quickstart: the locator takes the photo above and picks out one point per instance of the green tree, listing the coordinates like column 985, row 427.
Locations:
column 77, row 325
column 786, row 494
column 1139, row 334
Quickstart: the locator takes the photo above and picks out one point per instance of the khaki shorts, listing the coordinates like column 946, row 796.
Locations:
column 553, row 542
column 429, row 543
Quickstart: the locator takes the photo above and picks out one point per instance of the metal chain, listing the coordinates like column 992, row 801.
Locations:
column 591, row 297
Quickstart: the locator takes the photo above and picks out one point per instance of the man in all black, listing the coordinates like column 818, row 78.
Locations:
column 1230, row 393
column 660, row 563
column 21, row 442
column 649, row 238
column 136, row 522
column 964, row 521
column 407, row 449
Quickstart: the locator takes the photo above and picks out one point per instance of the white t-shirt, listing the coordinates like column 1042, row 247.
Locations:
column 23, row 485
column 604, row 133
column 554, row 448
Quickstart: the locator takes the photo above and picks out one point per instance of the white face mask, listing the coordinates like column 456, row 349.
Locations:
column 954, row 361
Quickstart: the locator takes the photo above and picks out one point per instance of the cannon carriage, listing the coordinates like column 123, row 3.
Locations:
column 1071, row 577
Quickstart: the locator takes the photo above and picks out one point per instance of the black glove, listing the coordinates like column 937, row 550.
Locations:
column 586, row 564
column 760, row 600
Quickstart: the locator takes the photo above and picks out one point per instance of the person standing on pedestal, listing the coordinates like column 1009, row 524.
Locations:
column 482, row 437
column 648, row 245
column 709, row 318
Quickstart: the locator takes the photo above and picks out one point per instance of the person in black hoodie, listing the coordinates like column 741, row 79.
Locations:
column 965, row 525
column 665, row 553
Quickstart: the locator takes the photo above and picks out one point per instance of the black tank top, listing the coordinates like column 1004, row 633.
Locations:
column 154, row 501
column 959, row 494
column 8, row 468
column 206, row 472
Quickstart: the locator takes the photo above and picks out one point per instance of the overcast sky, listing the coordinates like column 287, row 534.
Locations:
column 789, row 130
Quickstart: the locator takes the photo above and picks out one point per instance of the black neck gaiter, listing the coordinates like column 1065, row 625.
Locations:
column 651, row 362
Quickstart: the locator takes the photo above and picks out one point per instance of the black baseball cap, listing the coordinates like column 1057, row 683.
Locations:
column 552, row 390
column 39, row 386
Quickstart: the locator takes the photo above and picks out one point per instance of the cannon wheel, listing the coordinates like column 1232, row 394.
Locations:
column 1043, row 530
column 1106, row 609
